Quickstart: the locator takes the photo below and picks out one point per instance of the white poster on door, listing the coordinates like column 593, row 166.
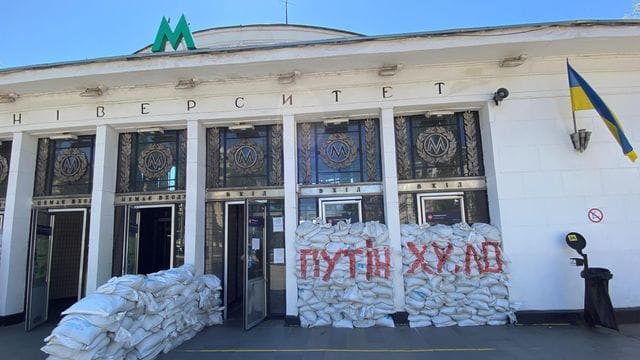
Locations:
column 278, row 255
column 278, row 224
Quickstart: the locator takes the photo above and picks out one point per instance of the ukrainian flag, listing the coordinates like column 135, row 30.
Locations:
column 583, row 97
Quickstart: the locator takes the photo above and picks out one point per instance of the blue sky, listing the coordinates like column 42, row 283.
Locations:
column 45, row 31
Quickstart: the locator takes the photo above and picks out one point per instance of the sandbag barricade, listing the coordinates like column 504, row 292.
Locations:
column 344, row 275
column 137, row 316
column 455, row 275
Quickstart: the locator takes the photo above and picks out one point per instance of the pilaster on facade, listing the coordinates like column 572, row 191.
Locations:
column 391, row 202
column 17, row 216
column 195, row 190
column 291, row 209
column 99, row 260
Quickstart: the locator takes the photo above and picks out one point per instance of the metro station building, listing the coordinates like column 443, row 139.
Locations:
column 137, row 163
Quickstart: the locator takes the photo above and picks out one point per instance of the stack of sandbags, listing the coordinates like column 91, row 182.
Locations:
column 137, row 316
column 455, row 275
column 344, row 275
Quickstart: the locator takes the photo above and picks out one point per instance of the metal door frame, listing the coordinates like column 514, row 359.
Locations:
column 31, row 260
column 247, row 326
column 126, row 232
column 245, row 204
column 31, row 263
column 226, row 250
column 84, row 212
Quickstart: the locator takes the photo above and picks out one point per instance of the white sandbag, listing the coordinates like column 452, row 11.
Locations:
column 114, row 345
column 488, row 280
column 175, row 289
column 430, row 312
column 413, row 282
column 459, row 317
column 472, row 282
column 137, row 336
column 151, row 321
column 497, row 322
column 502, row 304
column 417, row 324
column 106, row 323
column 100, row 304
column 421, row 294
column 336, row 316
column 308, row 317
column 465, row 289
column 488, row 312
column 447, row 288
column 468, row 322
column 344, row 324
column 487, row 231
column 306, row 227
column 78, row 329
column 148, row 344
column 133, row 281
column 440, row 319
column 119, row 289
column 385, row 321
column 319, row 238
column 383, row 291
column 365, row 323
column 59, row 351
column 442, row 231
column 497, row 317
column 453, row 297
column 479, row 297
column 448, row 310
column 480, row 319
column 212, row 282
column 499, row 291
column 93, row 352
column 154, row 283
column 479, row 305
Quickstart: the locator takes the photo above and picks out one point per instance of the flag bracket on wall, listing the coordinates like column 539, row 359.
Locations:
column 580, row 138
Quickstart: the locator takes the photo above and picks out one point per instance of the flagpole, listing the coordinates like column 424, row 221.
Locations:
column 575, row 127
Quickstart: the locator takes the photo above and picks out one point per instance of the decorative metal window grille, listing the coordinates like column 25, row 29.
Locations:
column 336, row 154
column 5, row 159
column 152, row 162
column 247, row 158
column 438, row 146
column 64, row 167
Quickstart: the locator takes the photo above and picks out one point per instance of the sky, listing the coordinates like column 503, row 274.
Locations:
column 46, row 31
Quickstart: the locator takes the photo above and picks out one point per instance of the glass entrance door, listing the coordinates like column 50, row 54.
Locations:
column 255, row 289
column 39, row 264
column 150, row 239
column 56, row 263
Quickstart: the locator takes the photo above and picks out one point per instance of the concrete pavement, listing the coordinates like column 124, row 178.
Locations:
column 271, row 340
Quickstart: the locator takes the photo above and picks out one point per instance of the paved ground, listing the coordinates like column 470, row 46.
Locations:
column 271, row 340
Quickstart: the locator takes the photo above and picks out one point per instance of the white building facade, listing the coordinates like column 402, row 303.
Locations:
column 138, row 163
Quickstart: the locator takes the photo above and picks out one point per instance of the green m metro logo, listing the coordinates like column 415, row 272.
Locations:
column 174, row 37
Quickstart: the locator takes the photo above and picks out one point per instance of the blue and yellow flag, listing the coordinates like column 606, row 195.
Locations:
column 583, row 97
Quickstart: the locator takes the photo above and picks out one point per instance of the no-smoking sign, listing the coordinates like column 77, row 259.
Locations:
column 595, row 215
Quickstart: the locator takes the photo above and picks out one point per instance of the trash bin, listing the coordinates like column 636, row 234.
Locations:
column 597, row 303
